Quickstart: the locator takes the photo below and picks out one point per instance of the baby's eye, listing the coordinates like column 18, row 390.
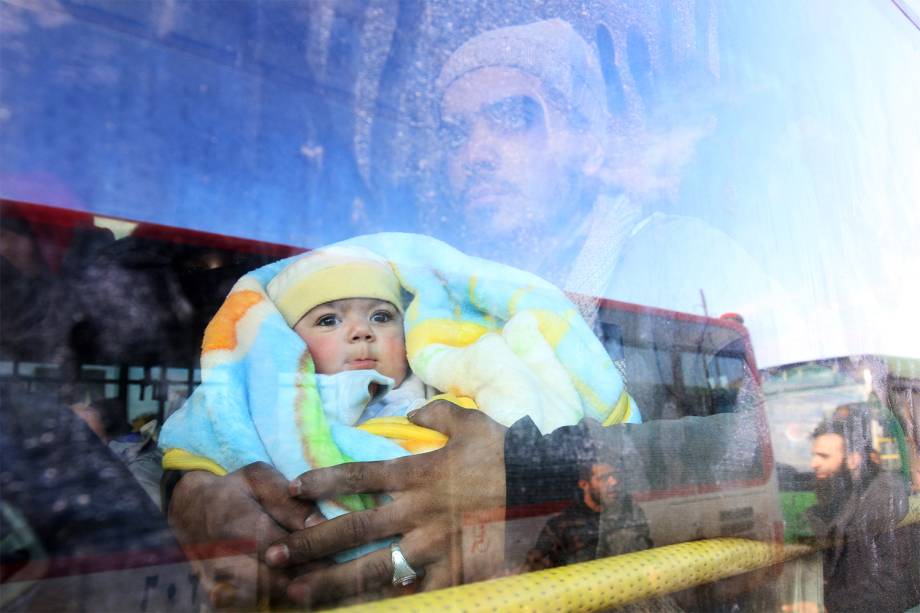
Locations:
column 382, row 317
column 327, row 320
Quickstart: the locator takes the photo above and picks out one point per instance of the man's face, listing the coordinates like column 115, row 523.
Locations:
column 355, row 334
column 827, row 455
column 601, row 489
column 514, row 164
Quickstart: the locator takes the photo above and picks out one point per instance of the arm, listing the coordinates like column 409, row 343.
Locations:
column 885, row 503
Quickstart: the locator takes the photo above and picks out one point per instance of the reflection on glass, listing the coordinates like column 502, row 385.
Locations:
column 663, row 162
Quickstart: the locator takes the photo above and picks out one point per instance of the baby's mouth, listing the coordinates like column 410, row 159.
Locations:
column 362, row 364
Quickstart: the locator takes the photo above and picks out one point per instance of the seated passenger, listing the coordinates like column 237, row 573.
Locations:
column 603, row 522
column 306, row 363
column 134, row 444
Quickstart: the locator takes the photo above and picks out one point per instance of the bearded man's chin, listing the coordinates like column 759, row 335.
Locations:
column 834, row 490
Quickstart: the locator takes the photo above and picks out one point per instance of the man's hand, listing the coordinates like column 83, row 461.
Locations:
column 434, row 494
column 225, row 523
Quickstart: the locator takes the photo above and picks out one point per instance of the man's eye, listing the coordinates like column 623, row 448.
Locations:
column 516, row 114
column 382, row 317
column 327, row 320
column 453, row 134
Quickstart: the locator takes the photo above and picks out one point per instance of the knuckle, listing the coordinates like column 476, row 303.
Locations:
column 378, row 568
column 302, row 546
column 355, row 474
column 252, row 472
column 438, row 539
column 358, row 526
column 306, row 485
column 262, row 524
column 256, row 468
column 418, row 472
column 449, row 409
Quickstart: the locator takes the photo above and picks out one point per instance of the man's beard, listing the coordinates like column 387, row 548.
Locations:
column 614, row 500
column 833, row 492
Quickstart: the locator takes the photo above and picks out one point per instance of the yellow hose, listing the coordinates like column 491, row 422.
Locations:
column 611, row 582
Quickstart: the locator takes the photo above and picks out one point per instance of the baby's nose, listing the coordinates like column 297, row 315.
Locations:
column 362, row 332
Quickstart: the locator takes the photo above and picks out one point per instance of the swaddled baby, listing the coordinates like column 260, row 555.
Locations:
column 305, row 364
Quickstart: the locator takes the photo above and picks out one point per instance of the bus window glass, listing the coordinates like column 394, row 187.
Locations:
column 666, row 248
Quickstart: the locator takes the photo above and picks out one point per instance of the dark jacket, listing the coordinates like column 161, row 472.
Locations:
column 579, row 534
column 868, row 564
column 567, row 538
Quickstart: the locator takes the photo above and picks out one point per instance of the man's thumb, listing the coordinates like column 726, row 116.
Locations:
column 439, row 415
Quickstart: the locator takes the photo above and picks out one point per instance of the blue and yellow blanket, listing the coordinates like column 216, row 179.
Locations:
column 498, row 338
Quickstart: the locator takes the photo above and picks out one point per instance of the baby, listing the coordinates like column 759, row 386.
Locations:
column 266, row 396
column 347, row 305
column 305, row 364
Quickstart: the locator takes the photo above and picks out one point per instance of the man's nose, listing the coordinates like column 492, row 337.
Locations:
column 481, row 151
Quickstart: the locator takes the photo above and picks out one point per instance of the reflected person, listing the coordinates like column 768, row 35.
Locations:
column 579, row 533
column 535, row 180
column 869, row 565
column 522, row 118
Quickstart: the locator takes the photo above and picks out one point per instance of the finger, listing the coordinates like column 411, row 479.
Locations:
column 232, row 574
column 352, row 478
column 248, row 534
column 369, row 572
column 441, row 415
column 270, row 489
column 254, row 526
column 436, row 550
column 337, row 535
column 437, row 576
column 366, row 573
column 240, row 582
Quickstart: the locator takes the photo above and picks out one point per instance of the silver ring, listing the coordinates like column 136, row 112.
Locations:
column 403, row 574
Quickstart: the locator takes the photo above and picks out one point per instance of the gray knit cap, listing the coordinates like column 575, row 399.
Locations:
column 550, row 50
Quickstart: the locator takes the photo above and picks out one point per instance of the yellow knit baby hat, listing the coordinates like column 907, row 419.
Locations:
column 333, row 273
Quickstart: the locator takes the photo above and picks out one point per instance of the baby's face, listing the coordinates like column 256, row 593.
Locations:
column 355, row 334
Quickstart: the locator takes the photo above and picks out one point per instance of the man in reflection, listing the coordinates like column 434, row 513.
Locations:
column 523, row 120
column 604, row 521
column 541, row 177
column 868, row 565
